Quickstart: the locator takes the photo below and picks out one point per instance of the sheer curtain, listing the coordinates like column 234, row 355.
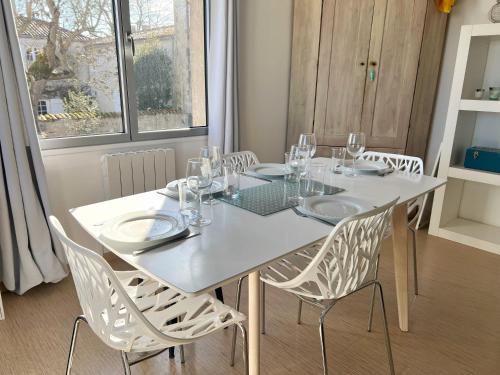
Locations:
column 29, row 255
column 222, row 74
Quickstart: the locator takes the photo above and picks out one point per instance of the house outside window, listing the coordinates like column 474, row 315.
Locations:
column 112, row 84
column 42, row 107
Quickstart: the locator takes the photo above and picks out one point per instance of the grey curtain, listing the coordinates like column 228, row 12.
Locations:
column 222, row 75
column 28, row 253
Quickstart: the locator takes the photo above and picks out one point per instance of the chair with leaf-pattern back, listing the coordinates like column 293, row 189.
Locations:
column 133, row 313
column 240, row 160
column 412, row 166
column 344, row 263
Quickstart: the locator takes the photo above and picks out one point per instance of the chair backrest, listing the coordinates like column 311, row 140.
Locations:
column 134, row 172
column 241, row 160
column 348, row 257
column 108, row 309
column 403, row 163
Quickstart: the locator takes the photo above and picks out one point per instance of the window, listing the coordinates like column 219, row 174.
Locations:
column 31, row 54
column 116, row 71
column 42, row 107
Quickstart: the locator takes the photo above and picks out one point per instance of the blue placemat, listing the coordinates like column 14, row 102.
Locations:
column 270, row 198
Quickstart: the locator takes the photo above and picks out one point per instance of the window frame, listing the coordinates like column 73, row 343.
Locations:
column 126, row 80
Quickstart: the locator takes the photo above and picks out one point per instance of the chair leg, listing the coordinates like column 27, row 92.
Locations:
column 181, row 353
column 386, row 330
column 237, row 307
column 323, row 346
column 245, row 347
column 370, row 318
column 74, row 335
column 299, row 312
column 322, row 336
column 126, row 366
column 415, row 274
column 263, row 308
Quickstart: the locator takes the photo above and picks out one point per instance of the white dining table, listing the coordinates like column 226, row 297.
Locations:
column 239, row 242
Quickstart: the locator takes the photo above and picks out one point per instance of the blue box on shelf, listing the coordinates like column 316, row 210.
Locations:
column 483, row 158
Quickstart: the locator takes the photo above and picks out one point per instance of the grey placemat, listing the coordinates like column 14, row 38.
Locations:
column 270, row 198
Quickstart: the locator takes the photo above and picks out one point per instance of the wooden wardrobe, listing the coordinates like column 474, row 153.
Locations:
column 365, row 65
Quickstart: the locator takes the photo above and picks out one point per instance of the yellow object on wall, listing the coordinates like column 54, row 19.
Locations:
column 445, row 5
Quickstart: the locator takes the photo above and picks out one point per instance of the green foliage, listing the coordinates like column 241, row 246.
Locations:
column 40, row 68
column 153, row 76
column 86, row 110
column 78, row 101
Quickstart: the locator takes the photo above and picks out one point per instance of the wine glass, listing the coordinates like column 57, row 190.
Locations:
column 356, row 144
column 309, row 140
column 199, row 178
column 213, row 154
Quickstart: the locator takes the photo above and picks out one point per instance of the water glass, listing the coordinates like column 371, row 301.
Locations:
column 299, row 158
column 338, row 159
column 289, row 176
column 213, row 154
column 317, row 178
column 231, row 181
column 188, row 202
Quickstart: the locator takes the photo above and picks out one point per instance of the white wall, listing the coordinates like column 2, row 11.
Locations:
column 75, row 179
column 465, row 12
column 265, row 42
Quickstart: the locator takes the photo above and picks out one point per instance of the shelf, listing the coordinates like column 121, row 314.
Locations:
column 475, row 175
column 480, row 105
column 472, row 233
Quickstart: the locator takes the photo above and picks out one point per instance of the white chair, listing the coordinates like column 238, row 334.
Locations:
column 345, row 263
column 133, row 313
column 413, row 166
column 240, row 160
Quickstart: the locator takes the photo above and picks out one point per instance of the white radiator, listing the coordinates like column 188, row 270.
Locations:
column 135, row 172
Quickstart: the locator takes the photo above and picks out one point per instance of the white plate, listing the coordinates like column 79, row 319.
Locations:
column 368, row 166
column 334, row 208
column 269, row 169
column 173, row 191
column 143, row 229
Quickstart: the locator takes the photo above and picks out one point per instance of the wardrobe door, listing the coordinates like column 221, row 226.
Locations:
column 344, row 45
column 394, row 57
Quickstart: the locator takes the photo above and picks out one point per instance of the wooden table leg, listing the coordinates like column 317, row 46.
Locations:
column 400, row 248
column 254, row 323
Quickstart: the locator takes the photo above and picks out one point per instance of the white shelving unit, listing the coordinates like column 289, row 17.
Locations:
column 466, row 209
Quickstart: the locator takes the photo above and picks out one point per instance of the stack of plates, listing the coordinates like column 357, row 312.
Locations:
column 334, row 208
column 143, row 229
column 268, row 170
column 172, row 189
column 368, row 167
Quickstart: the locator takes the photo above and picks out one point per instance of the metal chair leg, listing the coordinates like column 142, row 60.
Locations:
column 322, row 336
column 323, row 346
column 126, row 366
column 415, row 274
column 245, row 347
column 386, row 329
column 263, row 308
column 74, row 335
column 237, row 307
column 299, row 312
column 181, row 353
column 370, row 318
